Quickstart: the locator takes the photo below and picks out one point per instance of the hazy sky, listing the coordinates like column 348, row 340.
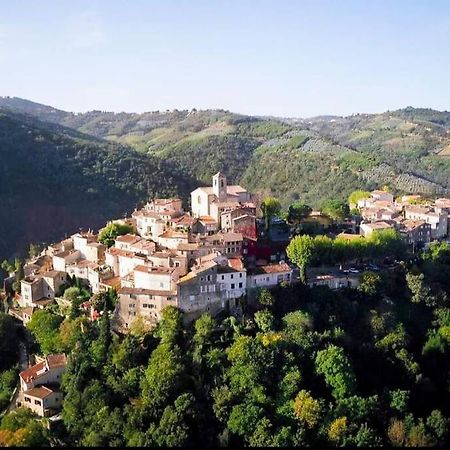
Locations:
column 287, row 58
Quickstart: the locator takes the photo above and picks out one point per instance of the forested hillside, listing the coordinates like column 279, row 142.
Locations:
column 120, row 157
column 55, row 180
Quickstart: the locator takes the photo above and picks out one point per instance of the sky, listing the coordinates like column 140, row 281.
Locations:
column 264, row 57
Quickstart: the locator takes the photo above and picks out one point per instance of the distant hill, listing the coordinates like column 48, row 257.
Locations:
column 112, row 160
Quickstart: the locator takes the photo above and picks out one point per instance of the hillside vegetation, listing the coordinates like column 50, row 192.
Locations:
column 55, row 181
column 112, row 161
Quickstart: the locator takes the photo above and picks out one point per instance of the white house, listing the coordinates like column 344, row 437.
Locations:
column 269, row 275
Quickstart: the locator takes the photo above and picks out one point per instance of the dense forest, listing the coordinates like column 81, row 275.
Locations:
column 304, row 366
column 61, row 170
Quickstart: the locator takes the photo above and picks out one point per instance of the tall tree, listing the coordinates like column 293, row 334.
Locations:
column 270, row 207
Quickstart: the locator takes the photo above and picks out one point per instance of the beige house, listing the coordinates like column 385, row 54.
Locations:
column 43, row 400
column 212, row 201
column 366, row 229
column 45, row 286
column 146, row 303
column 39, row 385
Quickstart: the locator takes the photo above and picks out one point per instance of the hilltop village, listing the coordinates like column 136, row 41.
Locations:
column 200, row 261
column 216, row 257
column 207, row 259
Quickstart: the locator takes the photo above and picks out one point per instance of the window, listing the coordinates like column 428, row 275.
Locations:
column 145, row 305
column 231, row 276
column 199, row 199
column 27, row 400
column 240, row 275
column 232, row 285
column 223, row 277
column 240, row 285
column 131, row 305
column 203, row 289
column 177, row 264
column 208, row 278
column 161, row 284
column 192, row 298
column 37, row 402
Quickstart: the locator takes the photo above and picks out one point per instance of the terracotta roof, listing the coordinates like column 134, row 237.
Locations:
column 119, row 252
column 162, row 255
column 57, row 360
column 411, row 224
column 173, row 234
column 53, row 273
column 85, row 263
column 230, row 237
column 128, row 238
column 65, row 253
column 113, row 282
column 378, row 225
column 185, row 219
column 271, row 268
column 236, row 263
column 41, row 392
column 50, row 362
column 144, row 244
column 187, row 246
column 207, row 219
column 151, row 269
column 188, row 277
column 205, row 266
column 418, row 209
